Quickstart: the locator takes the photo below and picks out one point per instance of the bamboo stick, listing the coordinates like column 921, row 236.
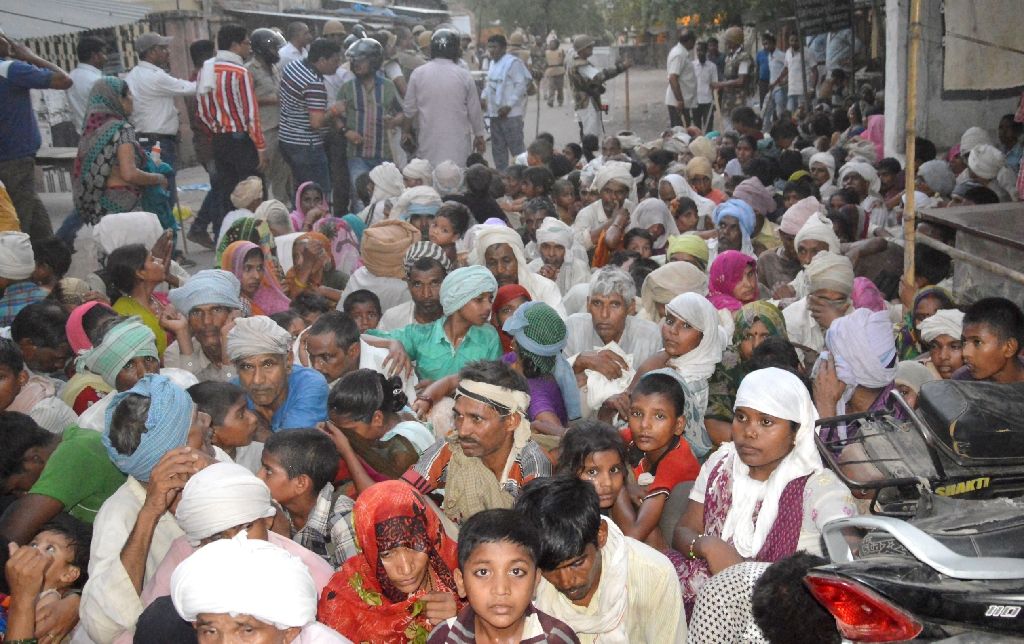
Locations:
column 909, row 209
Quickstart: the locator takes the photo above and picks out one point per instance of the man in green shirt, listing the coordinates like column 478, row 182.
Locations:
column 439, row 349
column 76, row 478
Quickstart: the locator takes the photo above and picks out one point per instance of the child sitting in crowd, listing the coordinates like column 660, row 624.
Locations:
column 299, row 467
column 363, row 306
column 447, row 229
column 594, row 452
column 232, row 423
column 498, row 575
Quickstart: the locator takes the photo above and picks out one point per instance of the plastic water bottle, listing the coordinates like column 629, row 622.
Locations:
column 155, row 153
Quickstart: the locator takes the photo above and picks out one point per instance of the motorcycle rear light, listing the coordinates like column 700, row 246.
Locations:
column 862, row 614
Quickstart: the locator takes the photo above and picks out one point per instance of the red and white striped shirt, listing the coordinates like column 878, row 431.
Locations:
column 231, row 106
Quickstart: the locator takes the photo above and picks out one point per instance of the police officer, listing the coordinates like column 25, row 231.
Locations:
column 587, row 82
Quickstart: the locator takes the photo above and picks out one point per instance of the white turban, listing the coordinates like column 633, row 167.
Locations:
column 220, row 497
column 241, row 576
column 943, row 322
column 554, row 231
column 613, row 171
column 866, row 172
column 797, row 215
column 17, row 262
column 818, row 227
column 864, row 348
column 387, row 181
column 938, row 176
column 541, row 289
column 913, row 374
column 255, row 336
column 124, row 228
column 419, row 200
column 419, row 169
column 681, row 188
column 985, row 161
column 826, row 159
column 448, row 178
column 831, row 272
column 973, row 137
column 246, row 192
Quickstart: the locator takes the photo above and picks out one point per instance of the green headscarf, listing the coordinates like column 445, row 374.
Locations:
column 123, row 342
column 758, row 311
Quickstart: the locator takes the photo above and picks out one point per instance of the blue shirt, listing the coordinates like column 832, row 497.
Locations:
column 763, row 73
column 19, row 134
column 306, row 404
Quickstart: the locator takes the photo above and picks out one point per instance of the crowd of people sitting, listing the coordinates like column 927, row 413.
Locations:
column 573, row 401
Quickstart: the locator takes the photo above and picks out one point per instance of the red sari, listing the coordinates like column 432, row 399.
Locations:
column 360, row 602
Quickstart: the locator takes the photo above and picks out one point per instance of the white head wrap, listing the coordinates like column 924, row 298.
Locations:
column 247, row 191
column 419, row 169
column 241, row 576
column 943, row 322
column 781, row 394
column 220, row 497
column 650, row 212
column 831, row 272
column 490, row 234
column 826, row 159
column 913, row 374
column 818, row 228
column 416, row 200
column 682, row 188
column 448, row 178
column 387, row 182
column 864, row 348
column 797, row 215
column 17, row 262
column 613, row 171
column 938, row 176
column 973, row 137
column 255, row 336
column 554, row 231
column 985, row 161
column 123, row 228
column 700, row 362
column 866, row 172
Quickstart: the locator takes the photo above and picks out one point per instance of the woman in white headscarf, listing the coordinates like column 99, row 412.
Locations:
column 764, row 495
column 507, row 262
column 675, row 186
column 653, row 216
column 823, row 170
column 861, row 178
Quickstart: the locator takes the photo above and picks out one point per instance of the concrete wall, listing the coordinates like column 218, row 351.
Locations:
column 939, row 119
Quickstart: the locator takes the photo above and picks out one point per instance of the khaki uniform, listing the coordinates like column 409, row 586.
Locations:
column 554, row 76
column 266, row 81
column 734, row 97
column 587, row 83
column 409, row 60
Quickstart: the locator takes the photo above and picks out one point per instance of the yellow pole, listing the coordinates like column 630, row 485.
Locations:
column 909, row 212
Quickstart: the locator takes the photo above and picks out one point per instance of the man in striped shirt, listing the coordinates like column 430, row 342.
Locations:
column 227, row 105
column 305, row 115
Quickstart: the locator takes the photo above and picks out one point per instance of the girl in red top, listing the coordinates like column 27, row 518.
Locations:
column 659, row 455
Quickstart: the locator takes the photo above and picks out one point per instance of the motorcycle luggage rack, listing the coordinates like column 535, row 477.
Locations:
column 879, row 423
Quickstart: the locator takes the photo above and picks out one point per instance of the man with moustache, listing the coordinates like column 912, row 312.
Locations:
column 204, row 311
column 426, row 266
column 485, row 462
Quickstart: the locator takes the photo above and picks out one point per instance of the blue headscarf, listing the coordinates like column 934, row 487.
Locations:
column 167, row 425
column 356, row 224
column 517, row 326
column 739, row 209
column 463, row 284
column 211, row 286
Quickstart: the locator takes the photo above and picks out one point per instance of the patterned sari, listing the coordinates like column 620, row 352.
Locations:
column 360, row 602
column 256, row 231
column 908, row 338
column 106, row 129
column 269, row 298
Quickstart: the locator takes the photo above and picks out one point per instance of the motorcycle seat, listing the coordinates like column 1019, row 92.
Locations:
column 968, row 527
column 975, row 420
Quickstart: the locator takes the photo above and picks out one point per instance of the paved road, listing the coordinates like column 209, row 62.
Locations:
column 647, row 118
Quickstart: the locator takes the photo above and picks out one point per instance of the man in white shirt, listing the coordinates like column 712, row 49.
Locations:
column 797, row 65
column 504, row 98
column 297, row 48
column 92, row 56
column 155, row 115
column 606, row 586
column 681, row 94
column 706, row 73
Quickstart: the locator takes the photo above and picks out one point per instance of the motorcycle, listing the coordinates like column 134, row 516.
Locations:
column 943, row 554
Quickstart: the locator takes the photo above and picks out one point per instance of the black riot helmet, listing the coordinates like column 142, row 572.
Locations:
column 366, row 48
column 349, row 39
column 265, row 43
column 445, row 44
column 359, row 30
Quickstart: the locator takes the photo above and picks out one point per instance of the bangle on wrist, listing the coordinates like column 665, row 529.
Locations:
column 692, row 554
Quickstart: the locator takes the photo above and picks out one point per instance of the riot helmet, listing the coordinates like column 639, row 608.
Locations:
column 445, row 44
column 265, row 43
column 366, row 48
